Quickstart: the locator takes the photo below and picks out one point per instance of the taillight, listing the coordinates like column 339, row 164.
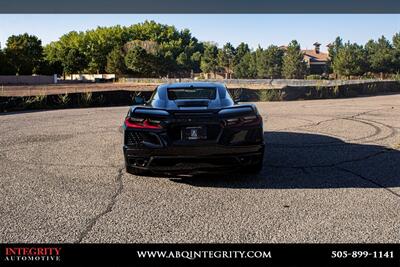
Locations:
column 243, row 121
column 141, row 123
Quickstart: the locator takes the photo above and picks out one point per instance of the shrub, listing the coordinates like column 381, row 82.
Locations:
column 336, row 91
column 86, row 98
column 396, row 76
column 135, row 95
column 38, row 101
column 372, row 88
column 63, row 100
column 100, row 100
column 236, row 93
column 314, row 77
column 269, row 95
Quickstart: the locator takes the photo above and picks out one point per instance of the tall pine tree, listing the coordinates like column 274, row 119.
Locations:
column 294, row 66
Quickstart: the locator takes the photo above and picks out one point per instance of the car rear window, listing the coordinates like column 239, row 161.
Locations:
column 191, row 93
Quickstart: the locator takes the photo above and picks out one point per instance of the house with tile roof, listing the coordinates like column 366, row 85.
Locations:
column 317, row 61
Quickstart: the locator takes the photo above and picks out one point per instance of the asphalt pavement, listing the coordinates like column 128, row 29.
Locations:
column 331, row 174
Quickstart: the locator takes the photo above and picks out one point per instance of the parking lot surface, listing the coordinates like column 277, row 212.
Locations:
column 331, row 174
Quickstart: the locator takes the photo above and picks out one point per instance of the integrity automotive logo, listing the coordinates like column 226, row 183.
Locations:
column 31, row 254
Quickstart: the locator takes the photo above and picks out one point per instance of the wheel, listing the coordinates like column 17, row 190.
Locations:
column 135, row 171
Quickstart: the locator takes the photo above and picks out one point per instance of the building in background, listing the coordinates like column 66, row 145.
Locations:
column 317, row 61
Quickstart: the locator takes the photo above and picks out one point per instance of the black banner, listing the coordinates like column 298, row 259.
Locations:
column 200, row 254
column 203, row 6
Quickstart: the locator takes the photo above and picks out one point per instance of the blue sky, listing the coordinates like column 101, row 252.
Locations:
column 256, row 30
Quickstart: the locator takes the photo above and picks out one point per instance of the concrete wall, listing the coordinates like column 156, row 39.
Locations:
column 28, row 79
column 125, row 97
column 287, row 93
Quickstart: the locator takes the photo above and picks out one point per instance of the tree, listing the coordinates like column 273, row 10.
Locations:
column 49, row 68
column 162, row 43
column 269, row 64
column 380, row 55
column 140, row 62
column 293, row 66
column 226, row 56
column 174, row 46
column 74, row 61
column 5, row 66
column 244, row 65
column 247, row 67
column 396, row 41
column 160, row 61
column 396, row 47
column 241, row 50
column 24, row 53
column 166, row 64
column 3, row 62
column 350, row 60
column 116, row 62
column 334, row 47
column 184, row 62
column 69, row 52
column 97, row 44
column 196, row 61
column 209, row 60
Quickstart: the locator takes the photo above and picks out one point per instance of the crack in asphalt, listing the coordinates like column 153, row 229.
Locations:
column 303, row 168
column 4, row 157
column 386, row 150
column 111, row 204
column 378, row 130
column 306, row 169
column 368, row 180
column 336, row 166
column 335, row 118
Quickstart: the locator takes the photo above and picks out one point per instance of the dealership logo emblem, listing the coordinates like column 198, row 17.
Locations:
column 31, row 254
column 193, row 132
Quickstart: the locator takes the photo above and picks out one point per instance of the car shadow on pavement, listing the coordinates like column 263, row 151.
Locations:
column 307, row 160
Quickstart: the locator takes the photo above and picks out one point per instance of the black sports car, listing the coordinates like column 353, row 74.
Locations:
column 192, row 128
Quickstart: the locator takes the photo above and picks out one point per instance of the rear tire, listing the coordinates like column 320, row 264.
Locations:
column 136, row 171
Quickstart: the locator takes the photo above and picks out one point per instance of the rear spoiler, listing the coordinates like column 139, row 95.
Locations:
column 243, row 110
column 139, row 111
column 238, row 111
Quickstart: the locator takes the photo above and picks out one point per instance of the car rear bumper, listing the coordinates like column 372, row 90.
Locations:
column 205, row 158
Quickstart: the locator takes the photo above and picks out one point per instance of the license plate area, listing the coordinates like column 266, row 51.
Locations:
column 194, row 133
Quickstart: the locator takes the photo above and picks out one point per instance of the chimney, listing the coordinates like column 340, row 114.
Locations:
column 317, row 47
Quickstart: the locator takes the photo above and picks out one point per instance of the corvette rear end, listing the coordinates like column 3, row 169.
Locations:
column 192, row 128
